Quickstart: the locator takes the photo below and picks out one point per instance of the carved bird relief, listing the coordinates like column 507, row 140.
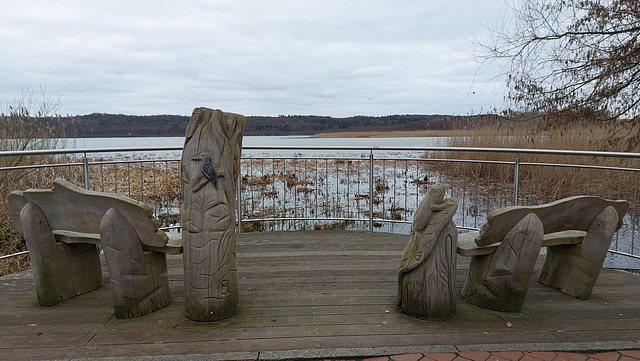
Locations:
column 209, row 171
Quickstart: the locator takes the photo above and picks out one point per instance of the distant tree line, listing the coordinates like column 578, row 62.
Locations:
column 120, row 125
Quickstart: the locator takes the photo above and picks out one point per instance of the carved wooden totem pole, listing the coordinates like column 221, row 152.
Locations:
column 210, row 165
column 426, row 278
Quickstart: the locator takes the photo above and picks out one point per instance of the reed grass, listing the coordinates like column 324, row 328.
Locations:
column 157, row 183
column 394, row 134
column 12, row 241
column 539, row 182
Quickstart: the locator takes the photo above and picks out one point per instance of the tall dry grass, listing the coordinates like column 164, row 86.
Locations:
column 26, row 123
column 540, row 183
column 11, row 241
column 157, row 183
column 391, row 134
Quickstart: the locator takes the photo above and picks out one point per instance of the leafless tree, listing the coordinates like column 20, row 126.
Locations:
column 563, row 57
column 23, row 121
column 26, row 124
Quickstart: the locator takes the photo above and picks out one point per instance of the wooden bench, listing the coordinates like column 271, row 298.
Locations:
column 63, row 226
column 577, row 232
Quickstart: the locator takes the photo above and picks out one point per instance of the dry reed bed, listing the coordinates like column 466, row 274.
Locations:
column 291, row 184
column 308, row 188
column 10, row 240
column 539, row 182
column 279, row 188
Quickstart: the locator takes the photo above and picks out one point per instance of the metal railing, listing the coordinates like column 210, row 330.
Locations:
column 354, row 188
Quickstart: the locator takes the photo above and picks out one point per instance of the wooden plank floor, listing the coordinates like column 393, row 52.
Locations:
column 311, row 291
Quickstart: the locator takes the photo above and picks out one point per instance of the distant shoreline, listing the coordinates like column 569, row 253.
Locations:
column 390, row 134
column 120, row 125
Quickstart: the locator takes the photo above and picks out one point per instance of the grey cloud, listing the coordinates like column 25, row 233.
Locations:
column 338, row 58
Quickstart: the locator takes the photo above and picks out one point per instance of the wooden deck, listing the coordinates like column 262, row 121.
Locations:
column 314, row 294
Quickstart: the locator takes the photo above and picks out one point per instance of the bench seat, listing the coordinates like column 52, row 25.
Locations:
column 577, row 232
column 173, row 246
column 63, row 228
column 467, row 246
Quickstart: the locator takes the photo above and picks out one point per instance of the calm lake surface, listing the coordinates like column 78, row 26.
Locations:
column 263, row 141
column 260, row 141
column 624, row 240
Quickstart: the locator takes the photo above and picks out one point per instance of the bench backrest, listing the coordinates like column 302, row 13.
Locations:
column 573, row 213
column 69, row 207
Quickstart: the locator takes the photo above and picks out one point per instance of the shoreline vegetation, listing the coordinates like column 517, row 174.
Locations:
column 395, row 134
column 547, row 183
column 587, row 136
column 487, row 132
column 119, row 125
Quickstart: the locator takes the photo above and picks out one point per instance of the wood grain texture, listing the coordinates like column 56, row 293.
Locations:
column 210, row 163
column 467, row 246
column 575, row 213
column 310, row 290
column 173, row 246
column 427, row 270
column 61, row 270
column 500, row 281
column 63, row 227
column 139, row 280
column 577, row 232
column 16, row 203
column 574, row 269
column 73, row 208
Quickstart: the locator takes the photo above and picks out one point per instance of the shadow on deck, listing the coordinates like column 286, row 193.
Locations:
column 322, row 294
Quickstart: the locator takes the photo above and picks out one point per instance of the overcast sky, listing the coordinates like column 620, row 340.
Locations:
column 336, row 58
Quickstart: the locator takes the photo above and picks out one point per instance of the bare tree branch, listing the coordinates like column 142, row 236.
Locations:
column 561, row 56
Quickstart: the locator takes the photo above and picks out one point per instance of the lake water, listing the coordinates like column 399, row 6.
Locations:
column 264, row 141
column 261, row 141
column 397, row 186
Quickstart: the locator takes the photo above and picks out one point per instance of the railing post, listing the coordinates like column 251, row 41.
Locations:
column 238, row 202
column 10, row 213
column 516, row 180
column 85, row 170
column 371, row 191
column 8, row 182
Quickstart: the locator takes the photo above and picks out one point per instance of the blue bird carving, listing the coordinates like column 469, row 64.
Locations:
column 209, row 171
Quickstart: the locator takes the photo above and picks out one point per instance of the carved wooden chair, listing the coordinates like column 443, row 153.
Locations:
column 577, row 232
column 63, row 226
